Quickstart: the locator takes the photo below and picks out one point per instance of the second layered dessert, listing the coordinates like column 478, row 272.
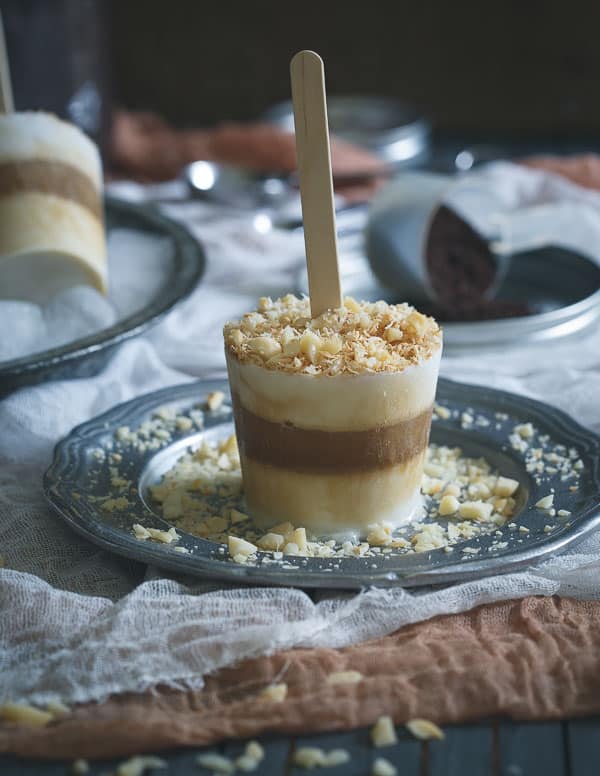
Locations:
column 51, row 220
column 332, row 414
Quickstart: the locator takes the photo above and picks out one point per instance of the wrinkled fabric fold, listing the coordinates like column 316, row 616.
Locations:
column 537, row 658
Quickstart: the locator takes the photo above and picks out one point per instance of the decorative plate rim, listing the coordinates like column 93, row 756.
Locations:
column 356, row 574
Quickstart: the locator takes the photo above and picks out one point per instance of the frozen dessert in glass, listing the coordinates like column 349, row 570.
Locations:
column 332, row 414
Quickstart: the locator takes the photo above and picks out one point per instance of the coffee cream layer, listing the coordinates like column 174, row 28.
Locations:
column 333, row 453
column 51, row 224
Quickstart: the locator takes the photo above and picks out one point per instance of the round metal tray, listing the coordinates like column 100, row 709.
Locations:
column 87, row 356
column 80, row 476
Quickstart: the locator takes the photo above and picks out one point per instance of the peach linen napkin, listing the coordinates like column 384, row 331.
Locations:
column 537, row 658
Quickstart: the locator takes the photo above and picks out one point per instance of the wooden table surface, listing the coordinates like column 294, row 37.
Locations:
column 569, row 748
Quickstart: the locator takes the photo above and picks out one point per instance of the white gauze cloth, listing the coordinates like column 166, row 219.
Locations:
column 77, row 623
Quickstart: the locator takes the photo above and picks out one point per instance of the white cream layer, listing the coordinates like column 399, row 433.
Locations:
column 335, row 403
column 48, row 243
column 37, row 135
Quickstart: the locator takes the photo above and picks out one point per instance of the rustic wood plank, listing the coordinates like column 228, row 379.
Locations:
column 465, row 749
column 583, row 746
column 532, row 749
column 16, row 766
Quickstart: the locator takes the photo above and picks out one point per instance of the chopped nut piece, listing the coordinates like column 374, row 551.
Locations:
column 237, row 517
column 383, row 732
column 79, row 767
column 563, row 513
column 545, row 502
column 448, row 505
column 345, row 677
column 255, row 750
column 214, row 400
column 285, row 529
column 358, row 337
column 215, row 762
column 393, row 334
column 297, row 537
column 313, row 757
column 383, row 767
column 336, row 757
column 57, row 708
column 276, row 693
column 266, row 347
column 524, row 430
column 240, row 547
column 24, row 714
column 183, row 424
column 309, row 757
column 165, row 537
column 245, row 763
column 224, row 462
column 475, row 510
column 136, row 766
column 434, row 469
column 424, row 729
column 452, row 489
column 140, row 532
column 379, row 535
column 505, row 486
column 442, row 412
column 431, row 486
column 271, row 541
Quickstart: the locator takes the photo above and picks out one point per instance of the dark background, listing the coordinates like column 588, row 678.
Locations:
column 514, row 65
column 524, row 68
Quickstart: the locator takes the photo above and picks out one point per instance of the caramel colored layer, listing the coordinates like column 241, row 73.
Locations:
column 286, row 446
column 50, row 177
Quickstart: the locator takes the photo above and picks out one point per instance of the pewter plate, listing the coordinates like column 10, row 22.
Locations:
column 88, row 355
column 80, row 475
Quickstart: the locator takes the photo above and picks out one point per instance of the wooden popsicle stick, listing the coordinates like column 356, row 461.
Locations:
column 6, row 96
column 316, row 185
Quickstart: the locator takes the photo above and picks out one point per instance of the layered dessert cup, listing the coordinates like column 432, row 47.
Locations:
column 332, row 414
